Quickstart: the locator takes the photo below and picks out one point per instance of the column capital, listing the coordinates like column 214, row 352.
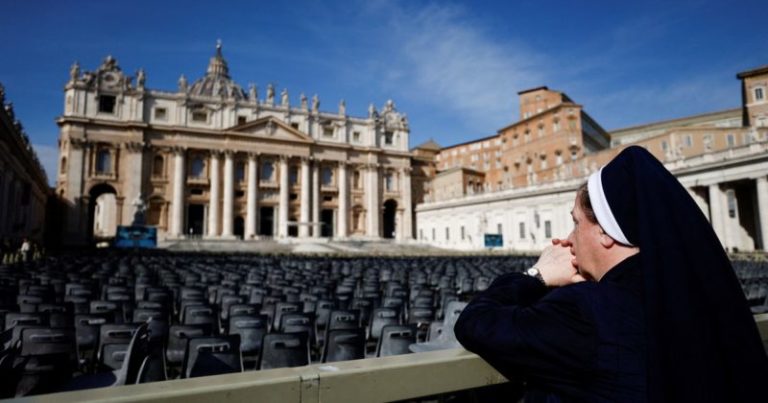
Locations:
column 178, row 149
column 77, row 143
column 283, row 158
column 229, row 153
column 253, row 155
column 134, row 146
column 215, row 153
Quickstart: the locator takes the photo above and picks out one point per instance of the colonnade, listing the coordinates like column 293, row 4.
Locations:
column 221, row 199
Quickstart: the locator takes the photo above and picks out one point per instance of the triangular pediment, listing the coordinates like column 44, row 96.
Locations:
column 271, row 128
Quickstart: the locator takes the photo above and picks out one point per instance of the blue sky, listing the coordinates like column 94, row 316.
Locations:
column 453, row 67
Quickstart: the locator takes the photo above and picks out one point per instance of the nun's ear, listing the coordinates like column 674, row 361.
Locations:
column 605, row 240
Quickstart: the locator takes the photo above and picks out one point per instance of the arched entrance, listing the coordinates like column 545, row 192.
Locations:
column 102, row 212
column 390, row 211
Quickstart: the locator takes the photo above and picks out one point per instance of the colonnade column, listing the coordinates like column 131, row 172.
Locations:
column 762, row 208
column 343, row 201
column 177, row 205
column 316, row 199
column 282, row 229
column 304, row 214
column 716, row 211
column 373, row 208
column 253, row 183
column 213, row 202
column 229, row 189
column 405, row 193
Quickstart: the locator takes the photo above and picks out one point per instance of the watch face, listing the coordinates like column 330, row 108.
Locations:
column 533, row 272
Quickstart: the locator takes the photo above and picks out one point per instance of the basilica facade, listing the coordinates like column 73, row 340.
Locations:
column 212, row 160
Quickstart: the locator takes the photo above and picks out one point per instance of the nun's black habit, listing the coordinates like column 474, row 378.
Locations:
column 670, row 324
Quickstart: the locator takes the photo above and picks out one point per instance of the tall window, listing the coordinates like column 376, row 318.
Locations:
column 267, row 171
column 388, row 138
column 447, row 234
column 463, row 235
column 499, row 228
column 196, row 170
column 356, row 180
column 240, row 172
column 731, row 140
column 103, row 161
column 389, row 182
column 107, row 103
column 157, row 166
column 522, row 230
column 759, row 94
column 293, row 175
column 730, row 194
column 327, row 176
column 547, row 229
column 63, row 167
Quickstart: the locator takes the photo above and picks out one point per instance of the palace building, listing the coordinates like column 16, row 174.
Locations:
column 213, row 160
column 520, row 182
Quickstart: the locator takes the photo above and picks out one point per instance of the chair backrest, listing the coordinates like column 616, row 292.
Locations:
column 133, row 358
column 113, row 342
column 282, row 308
column 36, row 341
column 212, row 355
column 87, row 328
column 201, row 315
column 395, row 340
column 13, row 319
column 243, row 309
column 344, row 319
column 382, row 317
column 420, row 315
column 343, row 345
column 251, row 329
column 177, row 340
column 281, row 350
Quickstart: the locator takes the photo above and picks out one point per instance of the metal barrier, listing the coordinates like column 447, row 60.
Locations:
column 371, row 380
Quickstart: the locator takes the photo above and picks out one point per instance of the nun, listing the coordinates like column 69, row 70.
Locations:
column 639, row 304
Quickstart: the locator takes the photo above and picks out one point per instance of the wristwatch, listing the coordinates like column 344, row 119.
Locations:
column 535, row 273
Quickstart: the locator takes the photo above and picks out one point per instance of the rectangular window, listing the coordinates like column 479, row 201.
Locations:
column 759, row 94
column 295, row 125
column 356, row 137
column 463, row 235
column 688, row 141
column 241, row 120
column 161, row 113
column 547, row 229
column 107, row 103
column 498, row 226
column 522, row 230
column 328, row 131
column 447, row 234
column 388, row 138
column 421, row 234
column 664, row 146
column 730, row 194
column 433, row 234
column 731, row 140
column 200, row 116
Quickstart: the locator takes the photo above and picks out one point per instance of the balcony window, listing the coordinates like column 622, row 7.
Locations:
column 107, row 103
column 103, row 162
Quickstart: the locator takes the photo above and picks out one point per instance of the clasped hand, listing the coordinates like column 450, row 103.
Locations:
column 556, row 265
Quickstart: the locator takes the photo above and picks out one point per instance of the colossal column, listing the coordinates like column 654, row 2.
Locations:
column 405, row 193
column 762, row 208
column 253, row 184
column 213, row 203
column 304, row 218
column 373, row 207
column 177, row 205
column 316, row 199
column 229, row 189
column 716, row 211
column 343, row 200
column 282, row 229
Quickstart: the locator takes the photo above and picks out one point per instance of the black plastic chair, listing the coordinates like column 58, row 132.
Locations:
column 212, row 356
column 281, row 350
column 395, row 340
column 382, row 317
column 343, row 345
column 177, row 341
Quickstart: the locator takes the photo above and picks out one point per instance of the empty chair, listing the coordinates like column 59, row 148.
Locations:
column 114, row 340
column 201, row 315
column 420, row 316
column 177, row 340
column 212, row 355
column 251, row 329
column 243, row 309
column 441, row 336
column 115, row 309
column 87, row 328
column 282, row 308
column 49, row 357
column 344, row 344
column 281, row 350
column 382, row 317
column 395, row 340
